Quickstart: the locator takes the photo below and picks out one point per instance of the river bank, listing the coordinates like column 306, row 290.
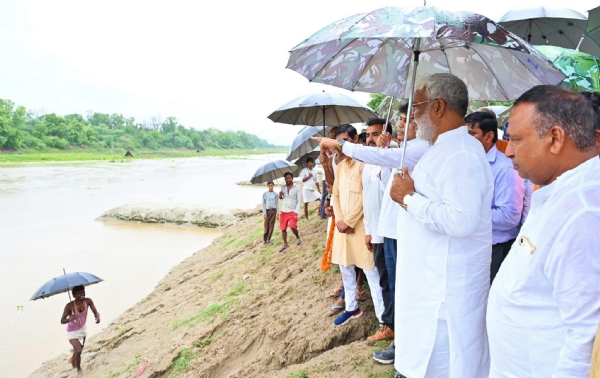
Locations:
column 236, row 309
column 118, row 154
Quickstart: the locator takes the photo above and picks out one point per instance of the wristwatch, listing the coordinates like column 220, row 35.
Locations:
column 406, row 200
column 340, row 144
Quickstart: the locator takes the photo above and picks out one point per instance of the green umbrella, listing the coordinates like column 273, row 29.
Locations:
column 582, row 70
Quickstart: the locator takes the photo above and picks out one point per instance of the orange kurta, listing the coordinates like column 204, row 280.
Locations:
column 347, row 202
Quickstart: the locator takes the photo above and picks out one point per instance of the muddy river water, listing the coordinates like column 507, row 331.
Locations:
column 48, row 222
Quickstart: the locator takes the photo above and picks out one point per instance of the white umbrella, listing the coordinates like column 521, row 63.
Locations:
column 322, row 109
column 551, row 26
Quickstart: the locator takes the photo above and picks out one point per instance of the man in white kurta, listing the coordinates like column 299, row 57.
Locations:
column 544, row 305
column 444, row 243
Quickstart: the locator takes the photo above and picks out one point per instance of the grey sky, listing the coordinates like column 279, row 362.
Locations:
column 210, row 64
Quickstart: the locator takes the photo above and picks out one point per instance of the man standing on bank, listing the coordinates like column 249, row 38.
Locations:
column 544, row 305
column 290, row 210
column 445, row 245
column 311, row 191
column 75, row 316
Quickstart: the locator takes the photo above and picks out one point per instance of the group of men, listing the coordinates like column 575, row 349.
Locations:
column 460, row 217
column 292, row 200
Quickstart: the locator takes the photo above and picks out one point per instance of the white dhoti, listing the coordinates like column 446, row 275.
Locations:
column 78, row 334
column 310, row 195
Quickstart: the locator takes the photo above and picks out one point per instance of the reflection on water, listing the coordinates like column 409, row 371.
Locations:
column 47, row 223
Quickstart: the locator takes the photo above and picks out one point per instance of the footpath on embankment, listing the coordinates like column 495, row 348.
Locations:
column 236, row 309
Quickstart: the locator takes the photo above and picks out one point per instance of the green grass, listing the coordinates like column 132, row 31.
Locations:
column 89, row 154
column 216, row 275
column 298, row 374
column 229, row 241
column 207, row 315
column 237, row 289
column 182, row 362
column 204, row 343
column 124, row 370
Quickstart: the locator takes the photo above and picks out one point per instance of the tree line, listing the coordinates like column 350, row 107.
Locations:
column 20, row 128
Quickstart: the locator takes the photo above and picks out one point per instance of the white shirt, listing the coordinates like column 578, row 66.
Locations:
column 444, row 257
column 291, row 200
column 372, row 199
column 390, row 158
column 544, row 305
column 309, row 184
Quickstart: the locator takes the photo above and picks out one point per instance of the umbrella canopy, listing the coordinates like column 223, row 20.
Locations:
column 372, row 52
column 551, row 26
column 582, row 70
column 303, row 144
column 385, row 50
column 64, row 283
column 322, row 109
column 272, row 171
column 593, row 26
column 301, row 162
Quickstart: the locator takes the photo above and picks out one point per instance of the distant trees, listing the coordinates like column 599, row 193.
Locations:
column 22, row 129
column 376, row 99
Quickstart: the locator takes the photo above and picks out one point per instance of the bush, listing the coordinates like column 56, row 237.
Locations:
column 56, row 142
column 33, row 142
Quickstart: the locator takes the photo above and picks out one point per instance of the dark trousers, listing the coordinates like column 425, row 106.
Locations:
column 499, row 253
column 269, row 224
column 324, row 194
column 388, row 305
column 390, row 250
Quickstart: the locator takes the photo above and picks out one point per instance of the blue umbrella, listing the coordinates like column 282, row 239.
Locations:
column 272, row 171
column 65, row 283
column 303, row 144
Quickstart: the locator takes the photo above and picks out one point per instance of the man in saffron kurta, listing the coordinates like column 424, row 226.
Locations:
column 349, row 249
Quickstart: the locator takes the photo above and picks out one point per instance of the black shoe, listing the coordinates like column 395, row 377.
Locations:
column 398, row 375
column 385, row 356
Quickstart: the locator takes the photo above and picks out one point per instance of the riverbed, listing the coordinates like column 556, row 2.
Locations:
column 48, row 222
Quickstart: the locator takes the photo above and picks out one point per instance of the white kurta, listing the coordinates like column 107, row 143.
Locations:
column 544, row 305
column 444, row 256
column 390, row 158
column 372, row 198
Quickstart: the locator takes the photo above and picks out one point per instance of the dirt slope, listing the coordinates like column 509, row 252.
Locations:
column 204, row 320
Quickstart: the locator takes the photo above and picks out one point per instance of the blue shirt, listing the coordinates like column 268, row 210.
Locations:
column 509, row 192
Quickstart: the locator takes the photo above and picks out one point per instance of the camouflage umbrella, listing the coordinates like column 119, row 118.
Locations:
column 551, row 26
column 582, row 70
column 385, row 50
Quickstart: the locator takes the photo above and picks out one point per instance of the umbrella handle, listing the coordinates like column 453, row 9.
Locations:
column 416, row 54
column 387, row 117
column 69, row 294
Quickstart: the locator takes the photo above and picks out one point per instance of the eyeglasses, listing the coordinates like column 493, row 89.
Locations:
column 423, row 102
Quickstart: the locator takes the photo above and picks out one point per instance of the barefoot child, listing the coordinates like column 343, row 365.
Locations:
column 75, row 316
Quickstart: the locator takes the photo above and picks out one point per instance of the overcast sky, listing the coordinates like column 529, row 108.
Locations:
column 209, row 63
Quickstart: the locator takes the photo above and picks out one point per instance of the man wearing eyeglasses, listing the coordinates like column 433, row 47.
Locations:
column 444, row 252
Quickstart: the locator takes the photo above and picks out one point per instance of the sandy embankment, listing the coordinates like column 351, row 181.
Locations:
column 180, row 214
column 205, row 320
